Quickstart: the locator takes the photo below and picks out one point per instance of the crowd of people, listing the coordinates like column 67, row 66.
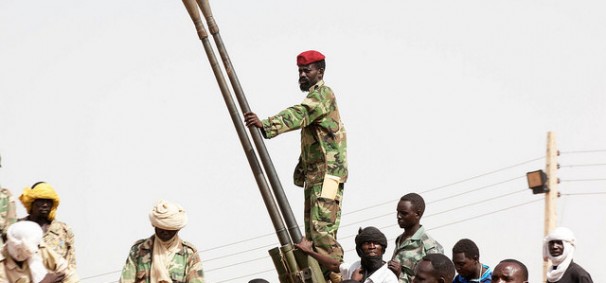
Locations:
column 39, row 248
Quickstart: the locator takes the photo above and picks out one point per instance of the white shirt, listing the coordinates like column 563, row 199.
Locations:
column 381, row 275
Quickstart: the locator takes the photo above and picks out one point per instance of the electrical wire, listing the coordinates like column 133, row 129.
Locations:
column 584, row 194
column 455, row 183
column 583, row 165
column 583, row 151
column 582, row 180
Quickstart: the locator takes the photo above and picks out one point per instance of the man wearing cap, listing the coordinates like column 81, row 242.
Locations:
column 322, row 166
column 559, row 247
column 41, row 202
column 25, row 258
column 164, row 257
column 8, row 211
column 370, row 246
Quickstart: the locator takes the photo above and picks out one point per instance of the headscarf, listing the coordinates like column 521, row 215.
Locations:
column 22, row 243
column 40, row 191
column 561, row 262
column 168, row 216
column 370, row 234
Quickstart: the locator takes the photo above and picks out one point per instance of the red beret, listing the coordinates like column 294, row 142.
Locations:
column 308, row 57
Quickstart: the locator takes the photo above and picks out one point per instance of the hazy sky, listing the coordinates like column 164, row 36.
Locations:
column 115, row 105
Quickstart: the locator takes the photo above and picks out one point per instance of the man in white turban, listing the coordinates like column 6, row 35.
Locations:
column 164, row 257
column 559, row 247
column 26, row 259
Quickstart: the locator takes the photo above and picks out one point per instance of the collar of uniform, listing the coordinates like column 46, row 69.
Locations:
column 55, row 227
column 317, row 85
column 418, row 234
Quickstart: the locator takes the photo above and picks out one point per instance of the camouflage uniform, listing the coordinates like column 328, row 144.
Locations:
column 11, row 272
column 185, row 267
column 60, row 238
column 323, row 152
column 8, row 212
column 410, row 251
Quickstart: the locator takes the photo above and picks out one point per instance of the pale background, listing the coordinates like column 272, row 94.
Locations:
column 115, row 105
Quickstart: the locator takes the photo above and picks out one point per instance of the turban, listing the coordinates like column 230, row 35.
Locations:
column 23, row 239
column 22, row 243
column 370, row 234
column 309, row 57
column 40, row 191
column 168, row 216
column 562, row 261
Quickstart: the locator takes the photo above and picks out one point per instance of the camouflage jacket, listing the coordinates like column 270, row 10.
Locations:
column 8, row 212
column 60, row 238
column 12, row 272
column 186, row 265
column 323, row 139
column 410, row 251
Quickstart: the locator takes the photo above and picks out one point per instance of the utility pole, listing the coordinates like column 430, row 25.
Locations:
column 551, row 196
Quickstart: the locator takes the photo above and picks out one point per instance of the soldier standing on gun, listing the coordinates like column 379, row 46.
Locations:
column 322, row 167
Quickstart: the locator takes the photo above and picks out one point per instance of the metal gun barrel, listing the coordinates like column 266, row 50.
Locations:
column 272, row 209
column 272, row 175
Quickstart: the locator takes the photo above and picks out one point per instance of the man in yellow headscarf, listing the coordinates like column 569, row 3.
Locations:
column 164, row 257
column 41, row 202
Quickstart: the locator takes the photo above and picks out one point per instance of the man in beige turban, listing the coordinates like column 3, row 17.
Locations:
column 164, row 257
column 41, row 202
column 26, row 259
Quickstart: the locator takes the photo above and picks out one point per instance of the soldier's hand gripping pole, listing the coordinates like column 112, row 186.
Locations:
column 272, row 175
column 272, row 209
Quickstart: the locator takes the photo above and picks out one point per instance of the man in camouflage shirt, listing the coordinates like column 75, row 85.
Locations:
column 322, row 167
column 41, row 202
column 8, row 211
column 414, row 243
column 164, row 257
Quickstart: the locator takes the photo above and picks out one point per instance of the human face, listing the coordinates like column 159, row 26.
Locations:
column 556, row 248
column 41, row 208
column 465, row 266
column 309, row 75
column 372, row 248
column 507, row 272
column 424, row 273
column 407, row 216
column 165, row 235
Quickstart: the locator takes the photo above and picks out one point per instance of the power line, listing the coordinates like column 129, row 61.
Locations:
column 584, row 165
column 99, row 275
column 583, row 151
column 237, row 242
column 456, row 182
column 485, row 214
column 584, row 194
column 480, row 188
column 583, row 180
column 240, row 252
column 243, row 276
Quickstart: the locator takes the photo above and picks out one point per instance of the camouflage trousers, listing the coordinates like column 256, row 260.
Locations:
column 322, row 219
